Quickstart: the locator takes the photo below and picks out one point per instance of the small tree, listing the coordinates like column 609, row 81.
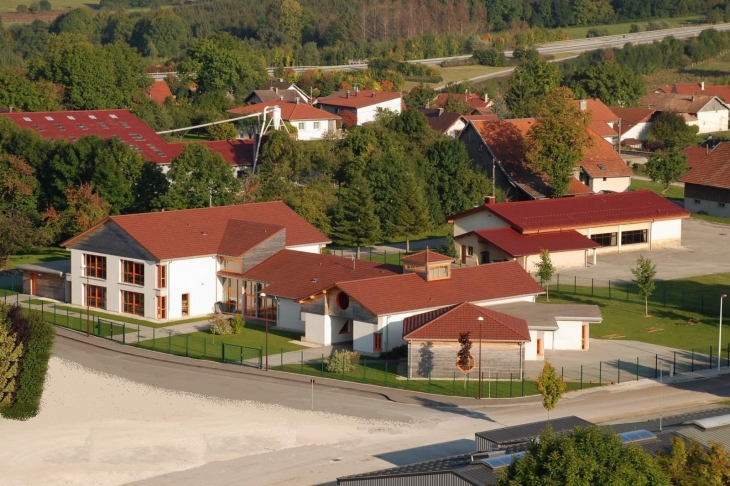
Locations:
column 219, row 324
column 690, row 464
column 644, row 274
column 667, row 167
column 22, row 8
column 222, row 131
column 551, row 386
column 545, row 271
column 11, row 352
column 464, row 354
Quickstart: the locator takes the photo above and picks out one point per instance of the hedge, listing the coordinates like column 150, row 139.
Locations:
column 424, row 79
column 37, row 337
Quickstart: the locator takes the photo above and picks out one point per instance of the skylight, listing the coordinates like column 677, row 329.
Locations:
column 60, row 127
column 49, row 118
column 70, row 117
column 27, row 119
column 113, row 116
column 503, row 461
column 82, row 126
column 601, row 166
column 123, row 124
column 92, row 117
column 636, row 436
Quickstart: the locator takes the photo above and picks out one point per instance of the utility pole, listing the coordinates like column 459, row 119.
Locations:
column 480, row 320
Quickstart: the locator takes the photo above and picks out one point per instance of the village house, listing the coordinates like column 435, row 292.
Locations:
column 574, row 230
column 634, row 124
column 479, row 105
column 604, row 122
column 449, row 124
column 706, row 112
column 311, row 123
column 498, row 147
column 364, row 104
column 277, row 90
column 707, row 184
column 721, row 91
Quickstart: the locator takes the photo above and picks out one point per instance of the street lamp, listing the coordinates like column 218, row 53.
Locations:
column 480, row 320
column 263, row 296
column 661, row 386
column 719, row 335
column 84, row 270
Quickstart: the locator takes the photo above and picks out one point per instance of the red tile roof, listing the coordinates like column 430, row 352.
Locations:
column 573, row 213
column 72, row 125
column 713, row 171
column 427, row 255
column 160, row 91
column 473, row 99
column 239, row 237
column 447, row 326
column 358, row 99
column 505, row 139
column 695, row 155
column 630, row 117
column 721, row 91
column 468, row 118
column 410, row 292
column 200, row 232
column 603, row 129
column 235, row 152
column 675, row 103
column 602, row 160
column 298, row 275
column 438, row 120
column 518, row 244
column 664, row 89
column 599, row 111
column 289, row 111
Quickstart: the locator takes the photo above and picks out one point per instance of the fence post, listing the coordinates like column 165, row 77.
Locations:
column 656, row 366
column 187, row 345
column 453, row 382
column 371, row 254
column 675, row 362
column 600, row 371
column 365, row 370
column 240, row 354
column 386, row 374
column 693, row 360
column 710, row 356
column 261, row 358
column 111, row 329
column 619, row 372
column 321, row 367
column 562, row 373
column 510, row 384
column 124, row 333
column 223, row 352
column 591, row 287
column 581, row 377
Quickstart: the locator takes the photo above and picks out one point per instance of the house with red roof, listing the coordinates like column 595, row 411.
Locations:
column 479, row 105
column 364, row 104
column 634, row 123
column 603, row 120
column 499, row 148
column 174, row 264
column 721, row 91
column 707, row 112
column 449, row 124
column 311, row 123
column 574, row 230
column 707, row 184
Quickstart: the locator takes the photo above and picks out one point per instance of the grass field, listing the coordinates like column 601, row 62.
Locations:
column 80, row 324
column 38, row 255
column 459, row 73
column 9, row 5
column 384, row 374
column 207, row 346
column 674, row 192
column 714, row 219
column 684, row 312
column 125, row 318
column 712, row 72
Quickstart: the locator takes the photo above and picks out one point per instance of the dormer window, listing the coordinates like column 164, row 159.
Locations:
column 428, row 264
column 439, row 272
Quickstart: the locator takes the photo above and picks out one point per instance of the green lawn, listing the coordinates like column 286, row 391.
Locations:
column 684, row 313
column 674, row 192
column 80, row 324
column 38, row 255
column 127, row 319
column 384, row 374
column 9, row 5
column 715, row 219
column 207, row 346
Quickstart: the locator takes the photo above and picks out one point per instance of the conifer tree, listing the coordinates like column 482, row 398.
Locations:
column 355, row 222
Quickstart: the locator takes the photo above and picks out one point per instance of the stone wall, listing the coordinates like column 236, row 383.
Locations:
column 439, row 359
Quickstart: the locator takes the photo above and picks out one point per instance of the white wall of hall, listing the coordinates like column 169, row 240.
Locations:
column 614, row 184
column 290, row 316
column 367, row 114
column 480, row 220
column 196, row 277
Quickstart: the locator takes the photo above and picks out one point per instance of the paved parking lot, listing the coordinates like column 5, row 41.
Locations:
column 703, row 251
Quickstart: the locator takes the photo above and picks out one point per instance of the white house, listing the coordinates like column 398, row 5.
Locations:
column 707, row 112
column 634, row 123
column 364, row 104
column 277, row 90
column 174, row 264
column 311, row 123
column 575, row 228
column 444, row 122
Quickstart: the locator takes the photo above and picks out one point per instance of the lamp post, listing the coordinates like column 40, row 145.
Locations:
column 480, row 320
column 84, row 270
column 266, row 349
column 719, row 335
column 661, row 386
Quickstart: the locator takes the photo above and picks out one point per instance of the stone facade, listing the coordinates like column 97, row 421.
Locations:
column 438, row 358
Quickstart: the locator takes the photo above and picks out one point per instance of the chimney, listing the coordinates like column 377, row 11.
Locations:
column 281, row 98
column 347, row 94
column 702, row 85
column 486, row 97
column 281, row 80
column 357, row 89
column 693, row 97
column 11, row 108
column 488, row 199
column 297, row 101
column 276, row 90
column 372, row 94
column 583, row 105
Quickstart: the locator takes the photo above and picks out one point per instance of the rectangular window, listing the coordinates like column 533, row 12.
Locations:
column 132, row 272
column 697, row 201
column 233, row 265
column 162, row 307
column 438, row 272
column 95, row 266
column 605, row 239
column 316, row 125
column 185, row 308
column 161, row 276
column 633, row 237
column 132, row 303
column 722, row 205
column 469, row 251
column 377, row 342
column 95, row 296
column 302, row 126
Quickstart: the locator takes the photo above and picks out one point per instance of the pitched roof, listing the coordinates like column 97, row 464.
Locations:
column 599, row 111
column 410, row 292
column 438, row 120
column 505, row 139
column 572, row 213
column 235, row 152
column 713, row 171
column 695, row 155
column 446, row 326
column 602, row 129
column 721, row 91
column 289, row 111
column 267, row 95
column 426, row 256
column 72, row 125
column 517, row 244
column 276, row 83
column 239, row 237
column 664, row 89
column 488, row 117
column 472, row 99
column 160, row 91
column 298, row 275
column 630, row 117
column 676, row 103
column 601, row 159
column 358, row 99
column 199, row 232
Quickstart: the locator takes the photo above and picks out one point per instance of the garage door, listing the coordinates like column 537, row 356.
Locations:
column 44, row 285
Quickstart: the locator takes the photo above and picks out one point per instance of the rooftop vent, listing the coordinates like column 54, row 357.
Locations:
column 92, row 117
column 601, row 166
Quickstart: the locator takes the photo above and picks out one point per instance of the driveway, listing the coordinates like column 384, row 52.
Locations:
column 703, row 251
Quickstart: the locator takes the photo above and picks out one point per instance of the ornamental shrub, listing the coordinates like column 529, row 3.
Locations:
column 342, row 361
column 237, row 325
column 219, row 324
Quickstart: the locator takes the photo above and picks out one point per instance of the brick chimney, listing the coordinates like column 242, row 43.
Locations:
column 702, row 85
column 488, row 199
column 347, row 94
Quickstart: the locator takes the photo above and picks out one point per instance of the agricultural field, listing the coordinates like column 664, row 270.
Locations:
column 624, row 28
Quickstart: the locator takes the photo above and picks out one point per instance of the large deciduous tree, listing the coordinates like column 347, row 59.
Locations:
column 671, row 130
column 22, row 94
column 199, row 178
column 690, row 464
column 529, row 84
column 667, row 167
column 586, row 456
column 612, row 83
column 18, row 186
column 17, row 234
column 556, row 142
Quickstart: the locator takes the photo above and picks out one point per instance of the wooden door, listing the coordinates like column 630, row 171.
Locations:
column 185, row 304
column 33, row 284
column 540, row 350
column 585, row 337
